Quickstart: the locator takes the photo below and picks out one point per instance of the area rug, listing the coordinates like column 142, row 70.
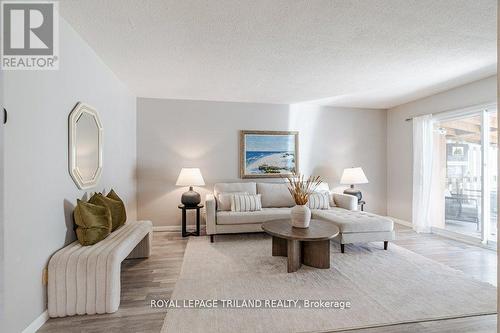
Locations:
column 382, row 287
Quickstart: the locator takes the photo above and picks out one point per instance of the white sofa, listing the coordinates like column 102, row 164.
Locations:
column 355, row 226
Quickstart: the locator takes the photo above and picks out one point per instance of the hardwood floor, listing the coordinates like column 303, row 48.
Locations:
column 154, row 278
column 477, row 262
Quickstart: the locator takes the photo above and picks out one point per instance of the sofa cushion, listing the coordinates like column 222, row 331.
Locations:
column 354, row 221
column 264, row 215
column 319, row 200
column 332, row 200
column 323, row 187
column 224, row 200
column 275, row 195
column 249, row 188
column 245, row 203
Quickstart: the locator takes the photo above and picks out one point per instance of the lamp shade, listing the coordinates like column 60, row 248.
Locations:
column 352, row 176
column 190, row 177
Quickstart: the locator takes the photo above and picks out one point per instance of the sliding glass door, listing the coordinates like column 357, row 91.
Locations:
column 465, row 173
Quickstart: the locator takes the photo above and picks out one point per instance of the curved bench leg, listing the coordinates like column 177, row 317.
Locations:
column 143, row 248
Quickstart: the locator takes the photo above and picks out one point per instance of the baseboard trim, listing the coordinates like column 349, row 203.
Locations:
column 401, row 222
column 173, row 228
column 37, row 323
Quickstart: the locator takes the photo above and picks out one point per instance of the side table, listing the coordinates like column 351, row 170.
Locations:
column 185, row 208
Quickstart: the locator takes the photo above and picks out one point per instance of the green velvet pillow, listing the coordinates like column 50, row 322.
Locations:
column 115, row 205
column 112, row 195
column 93, row 222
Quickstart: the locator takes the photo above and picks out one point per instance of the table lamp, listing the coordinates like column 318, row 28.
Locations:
column 353, row 176
column 190, row 177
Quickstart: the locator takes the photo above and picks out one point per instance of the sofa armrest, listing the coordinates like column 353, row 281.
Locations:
column 211, row 209
column 346, row 201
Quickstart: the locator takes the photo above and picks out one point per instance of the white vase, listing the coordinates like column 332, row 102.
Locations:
column 300, row 216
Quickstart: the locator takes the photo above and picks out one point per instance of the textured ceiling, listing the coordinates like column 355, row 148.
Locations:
column 358, row 53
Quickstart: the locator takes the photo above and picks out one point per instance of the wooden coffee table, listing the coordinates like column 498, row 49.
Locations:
column 310, row 246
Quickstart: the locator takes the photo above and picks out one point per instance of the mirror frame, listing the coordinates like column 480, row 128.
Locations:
column 75, row 114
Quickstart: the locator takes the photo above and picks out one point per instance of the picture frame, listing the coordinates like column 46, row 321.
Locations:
column 268, row 154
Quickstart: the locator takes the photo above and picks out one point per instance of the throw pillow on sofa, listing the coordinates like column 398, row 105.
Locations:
column 224, row 200
column 246, row 203
column 115, row 205
column 93, row 222
column 319, row 200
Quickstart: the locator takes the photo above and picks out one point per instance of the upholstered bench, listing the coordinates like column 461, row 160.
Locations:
column 86, row 279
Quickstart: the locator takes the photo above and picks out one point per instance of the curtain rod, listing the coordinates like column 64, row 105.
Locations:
column 469, row 108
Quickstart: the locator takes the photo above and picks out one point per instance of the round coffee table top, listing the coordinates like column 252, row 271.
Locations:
column 318, row 230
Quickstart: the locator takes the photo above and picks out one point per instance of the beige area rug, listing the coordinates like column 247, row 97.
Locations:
column 384, row 287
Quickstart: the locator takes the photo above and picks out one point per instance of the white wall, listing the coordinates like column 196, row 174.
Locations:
column 399, row 137
column 40, row 194
column 172, row 134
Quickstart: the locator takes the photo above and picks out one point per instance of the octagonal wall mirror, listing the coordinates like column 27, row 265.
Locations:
column 85, row 146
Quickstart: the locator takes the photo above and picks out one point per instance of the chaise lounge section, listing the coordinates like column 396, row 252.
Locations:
column 358, row 227
column 355, row 226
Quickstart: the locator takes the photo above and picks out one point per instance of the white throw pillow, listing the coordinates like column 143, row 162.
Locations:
column 319, row 200
column 246, row 203
column 224, row 200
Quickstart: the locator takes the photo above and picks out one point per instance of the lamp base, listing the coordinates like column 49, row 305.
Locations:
column 353, row 191
column 190, row 198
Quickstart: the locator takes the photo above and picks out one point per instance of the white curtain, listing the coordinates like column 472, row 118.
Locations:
column 422, row 172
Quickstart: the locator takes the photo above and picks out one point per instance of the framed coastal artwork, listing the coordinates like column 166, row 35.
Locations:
column 268, row 154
